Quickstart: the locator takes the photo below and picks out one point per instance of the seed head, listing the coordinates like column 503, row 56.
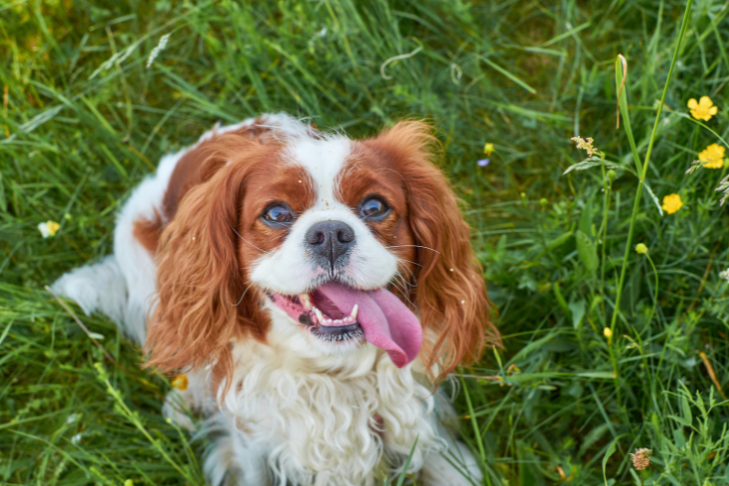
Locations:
column 641, row 458
column 585, row 145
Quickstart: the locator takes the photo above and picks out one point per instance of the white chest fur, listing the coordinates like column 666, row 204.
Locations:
column 349, row 424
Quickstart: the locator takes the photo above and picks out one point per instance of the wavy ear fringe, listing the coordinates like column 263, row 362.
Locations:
column 450, row 291
column 201, row 279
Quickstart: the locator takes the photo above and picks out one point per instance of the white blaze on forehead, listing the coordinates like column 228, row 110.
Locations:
column 288, row 270
column 323, row 160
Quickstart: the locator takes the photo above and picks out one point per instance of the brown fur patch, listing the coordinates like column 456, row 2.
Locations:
column 366, row 174
column 450, row 290
column 278, row 182
column 205, row 295
column 188, row 172
column 148, row 232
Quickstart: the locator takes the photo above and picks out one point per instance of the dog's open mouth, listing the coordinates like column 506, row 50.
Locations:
column 336, row 312
column 321, row 316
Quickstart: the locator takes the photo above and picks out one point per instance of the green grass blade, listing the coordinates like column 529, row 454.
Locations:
column 404, row 472
column 509, row 75
column 621, row 83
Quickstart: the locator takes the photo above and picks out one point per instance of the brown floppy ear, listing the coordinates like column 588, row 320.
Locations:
column 450, row 291
column 201, row 280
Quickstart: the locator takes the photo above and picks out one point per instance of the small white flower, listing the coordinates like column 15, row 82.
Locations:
column 317, row 35
column 48, row 228
column 76, row 439
column 724, row 274
column 72, row 418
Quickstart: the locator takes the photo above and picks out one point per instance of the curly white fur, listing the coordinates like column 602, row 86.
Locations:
column 312, row 421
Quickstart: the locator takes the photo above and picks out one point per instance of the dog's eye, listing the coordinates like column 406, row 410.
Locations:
column 278, row 214
column 372, row 208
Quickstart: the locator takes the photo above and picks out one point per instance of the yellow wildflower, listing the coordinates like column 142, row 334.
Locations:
column 488, row 149
column 704, row 109
column 180, row 382
column 607, row 332
column 641, row 249
column 712, row 156
column 672, row 203
column 49, row 228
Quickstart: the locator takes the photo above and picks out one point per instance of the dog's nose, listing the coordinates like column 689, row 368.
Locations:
column 330, row 239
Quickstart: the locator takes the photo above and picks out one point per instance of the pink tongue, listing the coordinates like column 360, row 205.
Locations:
column 386, row 321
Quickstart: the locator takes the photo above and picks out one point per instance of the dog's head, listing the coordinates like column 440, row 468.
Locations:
column 320, row 244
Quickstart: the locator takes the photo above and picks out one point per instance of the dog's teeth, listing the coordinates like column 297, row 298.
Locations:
column 305, row 300
column 338, row 322
column 353, row 315
column 319, row 315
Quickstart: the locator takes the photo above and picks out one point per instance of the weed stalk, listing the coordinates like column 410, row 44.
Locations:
column 639, row 192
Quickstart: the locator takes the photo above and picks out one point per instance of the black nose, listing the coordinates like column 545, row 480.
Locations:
column 330, row 239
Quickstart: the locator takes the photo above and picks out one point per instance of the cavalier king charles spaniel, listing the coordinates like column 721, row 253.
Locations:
column 314, row 289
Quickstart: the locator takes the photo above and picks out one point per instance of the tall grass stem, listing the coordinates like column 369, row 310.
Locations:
column 641, row 182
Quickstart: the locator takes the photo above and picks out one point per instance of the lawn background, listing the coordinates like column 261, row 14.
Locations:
column 85, row 119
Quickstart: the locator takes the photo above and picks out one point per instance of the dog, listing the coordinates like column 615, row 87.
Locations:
column 313, row 289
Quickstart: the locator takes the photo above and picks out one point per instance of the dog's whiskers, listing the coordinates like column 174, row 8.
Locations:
column 244, row 294
column 401, row 283
column 413, row 246
column 254, row 246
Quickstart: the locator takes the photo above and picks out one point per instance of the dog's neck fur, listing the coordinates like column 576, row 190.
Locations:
column 348, row 421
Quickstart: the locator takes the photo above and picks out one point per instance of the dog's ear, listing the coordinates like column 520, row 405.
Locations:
column 450, row 291
column 201, row 279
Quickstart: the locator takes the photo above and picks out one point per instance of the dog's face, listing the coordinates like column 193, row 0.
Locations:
column 342, row 230
column 319, row 244
column 327, row 235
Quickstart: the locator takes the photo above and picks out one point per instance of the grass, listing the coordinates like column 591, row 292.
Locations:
column 84, row 120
